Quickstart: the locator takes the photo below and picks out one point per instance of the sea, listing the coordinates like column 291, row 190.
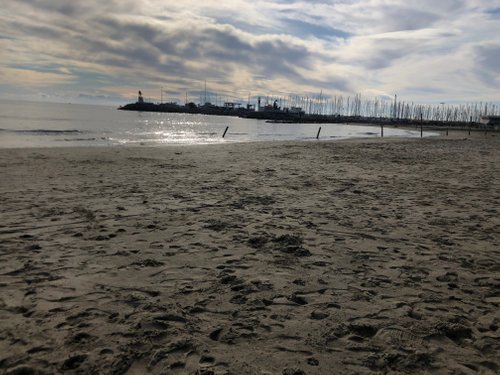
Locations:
column 35, row 124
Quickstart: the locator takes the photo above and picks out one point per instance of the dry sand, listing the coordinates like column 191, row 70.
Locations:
column 368, row 256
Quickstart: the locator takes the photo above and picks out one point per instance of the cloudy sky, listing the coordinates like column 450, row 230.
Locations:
column 426, row 51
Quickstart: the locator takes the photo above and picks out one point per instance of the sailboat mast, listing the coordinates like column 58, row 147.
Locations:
column 205, row 92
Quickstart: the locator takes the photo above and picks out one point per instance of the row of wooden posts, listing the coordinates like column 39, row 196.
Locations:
column 317, row 136
column 381, row 131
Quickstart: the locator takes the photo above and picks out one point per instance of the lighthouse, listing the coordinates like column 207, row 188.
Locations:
column 140, row 99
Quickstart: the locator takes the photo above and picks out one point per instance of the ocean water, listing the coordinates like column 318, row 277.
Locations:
column 30, row 124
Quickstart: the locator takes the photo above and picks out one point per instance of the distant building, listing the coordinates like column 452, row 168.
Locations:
column 269, row 107
column 231, row 105
column 296, row 110
column 491, row 121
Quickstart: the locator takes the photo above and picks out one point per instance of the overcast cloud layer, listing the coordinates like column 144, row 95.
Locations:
column 424, row 51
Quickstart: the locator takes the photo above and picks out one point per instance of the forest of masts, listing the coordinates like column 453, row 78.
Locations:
column 378, row 107
column 383, row 108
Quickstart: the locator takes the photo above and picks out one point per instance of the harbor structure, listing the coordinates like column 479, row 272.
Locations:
column 491, row 121
column 337, row 108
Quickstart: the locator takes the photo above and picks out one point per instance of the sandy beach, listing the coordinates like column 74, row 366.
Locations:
column 353, row 257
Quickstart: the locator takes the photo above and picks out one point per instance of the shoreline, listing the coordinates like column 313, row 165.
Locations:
column 361, row 255
column 326, row 132
column 441, row 134
column 223, row 141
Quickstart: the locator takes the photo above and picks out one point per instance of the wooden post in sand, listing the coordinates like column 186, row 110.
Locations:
column 319, row 131
column 446, row 131
column 382, row 130
column 225, row 131
column 421, row 125
column 470, row 124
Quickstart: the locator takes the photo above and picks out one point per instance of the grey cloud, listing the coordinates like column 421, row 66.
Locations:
column 77, row 8
column 303, row 28
column 63, row 7
column 222, row 46
column 330, row 82
column 398, row 18
column 379, row 16
column 424, row 90
column 244, row 26
column 47, row 31
column 487, row 66
column 383, row 53
column 488, row 57
column 95, row 48
column 68, row 9
column 115, row 29
column 382, row 58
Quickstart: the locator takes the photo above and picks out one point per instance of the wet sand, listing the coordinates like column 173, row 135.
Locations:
column 366, row 256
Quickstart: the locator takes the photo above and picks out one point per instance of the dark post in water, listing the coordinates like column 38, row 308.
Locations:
column 319, row 131
column 225, row 131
